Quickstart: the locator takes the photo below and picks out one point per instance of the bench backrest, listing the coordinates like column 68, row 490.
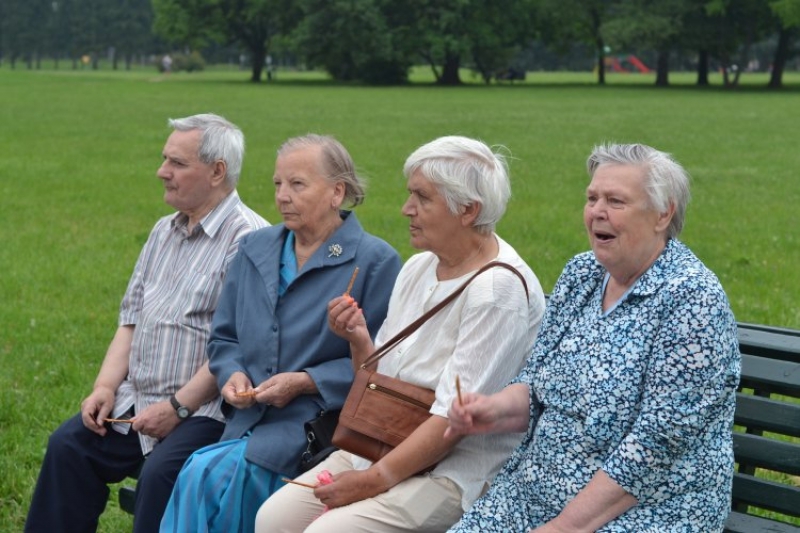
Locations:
column 766, row 436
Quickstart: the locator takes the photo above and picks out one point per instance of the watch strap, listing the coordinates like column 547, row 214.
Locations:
column 174, row 401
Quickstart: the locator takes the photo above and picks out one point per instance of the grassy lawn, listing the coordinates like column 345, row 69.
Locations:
column 79, row 195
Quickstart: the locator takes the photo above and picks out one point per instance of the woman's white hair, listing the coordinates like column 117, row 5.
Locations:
column 666, row 181
column 465, row 171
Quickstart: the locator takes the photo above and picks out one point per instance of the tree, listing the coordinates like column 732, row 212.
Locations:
column 130, row 23
column 737, row 25
column 497, row 29
column 21, row 30
column 565, row 22
column 481, row 33
column 356, row 40
column 788, row 13
column 251, row 23
column 652, row 24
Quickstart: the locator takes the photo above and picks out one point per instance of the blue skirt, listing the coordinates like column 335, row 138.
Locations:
column 218, row 491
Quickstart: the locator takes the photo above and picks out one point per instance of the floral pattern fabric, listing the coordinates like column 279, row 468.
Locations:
column 645, row 392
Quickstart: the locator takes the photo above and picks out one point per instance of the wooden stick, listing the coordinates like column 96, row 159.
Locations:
column 458, row 391
column 307, row 485
column 247, row 394
column 120, row 420
column 352, row 280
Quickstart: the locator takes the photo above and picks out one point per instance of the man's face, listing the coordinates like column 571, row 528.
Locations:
column 188, row 182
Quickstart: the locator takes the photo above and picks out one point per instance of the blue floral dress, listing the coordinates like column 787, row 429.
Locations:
column 644, row 391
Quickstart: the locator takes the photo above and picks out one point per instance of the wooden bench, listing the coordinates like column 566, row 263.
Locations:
column 766, row 437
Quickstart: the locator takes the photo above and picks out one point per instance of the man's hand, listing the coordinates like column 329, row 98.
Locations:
column 96, row 408
column 157, row 420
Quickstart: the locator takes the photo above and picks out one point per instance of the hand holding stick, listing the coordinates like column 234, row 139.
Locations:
column 352, row 280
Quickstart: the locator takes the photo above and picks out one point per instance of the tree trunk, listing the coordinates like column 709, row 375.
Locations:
column 702, row 68
column 450, row 75
column 601, row 46
column 431, row 63
column 780, row 58
column 601, row 63
column 662, row 69
column 259, row 55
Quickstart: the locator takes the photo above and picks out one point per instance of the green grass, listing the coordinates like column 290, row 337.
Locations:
column 79, row 195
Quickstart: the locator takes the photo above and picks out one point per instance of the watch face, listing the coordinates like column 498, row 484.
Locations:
column 183, row 412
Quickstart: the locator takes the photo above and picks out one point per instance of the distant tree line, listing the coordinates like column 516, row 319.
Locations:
column 377, row 41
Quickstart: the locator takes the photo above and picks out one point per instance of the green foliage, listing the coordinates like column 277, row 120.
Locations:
column 353, row 40
column 190, row 23
column 80, row 151
column 250, row 23
column 191, row 62
column 788, row 11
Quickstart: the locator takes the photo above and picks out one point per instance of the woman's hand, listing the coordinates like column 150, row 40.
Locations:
column 349, row 487
column 282, row 388
column 508, row 411
column 238, row 391
column 346, row 319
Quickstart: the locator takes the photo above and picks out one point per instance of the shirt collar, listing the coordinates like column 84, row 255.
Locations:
column 211, row 223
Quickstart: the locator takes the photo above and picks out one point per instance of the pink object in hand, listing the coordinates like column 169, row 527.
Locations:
column 325, row 478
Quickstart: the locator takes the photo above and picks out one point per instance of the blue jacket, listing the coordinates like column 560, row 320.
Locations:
column 256, row 332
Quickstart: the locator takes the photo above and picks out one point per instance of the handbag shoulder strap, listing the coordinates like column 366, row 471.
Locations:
column 411, row 328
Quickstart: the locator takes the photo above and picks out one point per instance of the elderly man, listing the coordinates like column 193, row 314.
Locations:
column 155, row 377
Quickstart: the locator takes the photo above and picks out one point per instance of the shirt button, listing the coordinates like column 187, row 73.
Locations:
column 274, row 327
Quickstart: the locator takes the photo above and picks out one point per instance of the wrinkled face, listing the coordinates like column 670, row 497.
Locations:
column 188, row 182
column 625, row 233
column 305, row 198
column 430, row 221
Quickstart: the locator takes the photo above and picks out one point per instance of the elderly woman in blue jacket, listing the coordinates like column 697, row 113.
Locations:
column 275, row 359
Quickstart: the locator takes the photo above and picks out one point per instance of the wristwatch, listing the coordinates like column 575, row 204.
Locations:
column 183, row 411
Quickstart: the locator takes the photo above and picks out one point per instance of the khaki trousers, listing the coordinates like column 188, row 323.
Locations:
column 420, row 503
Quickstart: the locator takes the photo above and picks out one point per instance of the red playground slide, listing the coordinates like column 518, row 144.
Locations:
column 626, row 64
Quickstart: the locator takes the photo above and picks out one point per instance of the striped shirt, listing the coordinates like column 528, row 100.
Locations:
column 170, row 300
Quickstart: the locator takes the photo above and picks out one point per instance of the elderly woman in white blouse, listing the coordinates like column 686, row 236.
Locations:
column 458, row 190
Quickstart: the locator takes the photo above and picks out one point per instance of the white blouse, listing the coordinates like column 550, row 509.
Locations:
column 484, row 337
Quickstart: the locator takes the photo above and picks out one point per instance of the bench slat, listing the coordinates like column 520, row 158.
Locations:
column 766, row 494
column 763, row 452
column 745, row 523
column 767, row 341
column 770, row 375
column 765, row 414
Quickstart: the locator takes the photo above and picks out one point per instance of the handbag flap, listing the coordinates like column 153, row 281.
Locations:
column 385, row 408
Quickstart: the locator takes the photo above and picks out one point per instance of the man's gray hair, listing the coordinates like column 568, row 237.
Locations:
column 220, row 140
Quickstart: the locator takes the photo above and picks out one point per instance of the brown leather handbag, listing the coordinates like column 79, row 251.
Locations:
column 381, row 411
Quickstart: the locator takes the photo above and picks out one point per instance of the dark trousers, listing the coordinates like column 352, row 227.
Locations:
column 72, row 490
